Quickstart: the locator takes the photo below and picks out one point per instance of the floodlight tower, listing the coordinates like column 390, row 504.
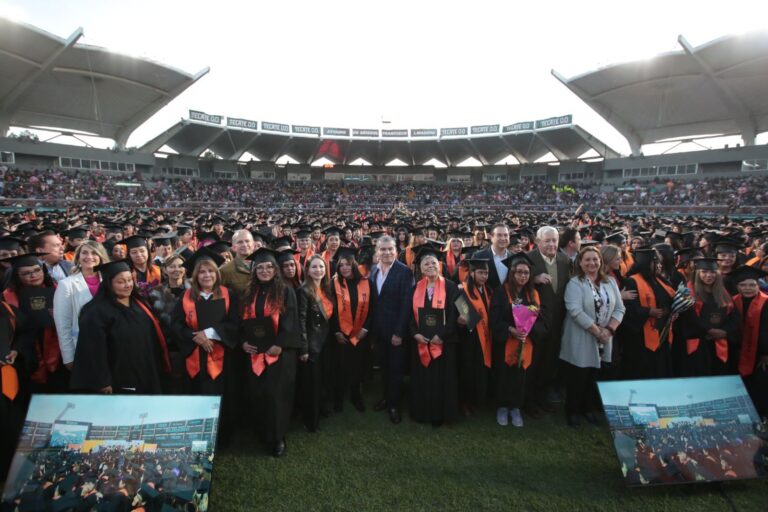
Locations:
column 69, row 406
column 632, row 393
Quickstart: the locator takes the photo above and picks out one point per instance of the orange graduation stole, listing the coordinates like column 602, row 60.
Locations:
column 351, row 325
column 648, row 300
column 512, row 347
column 153, row 274
column 10, row 379
column 215, row 361
column 750, row 331
column 48, row 352
column 260, row 361
column 428, row 351
column 451, row 262
column 721, row 345
column 409, row 256
column 483, row 329
column 160, row 335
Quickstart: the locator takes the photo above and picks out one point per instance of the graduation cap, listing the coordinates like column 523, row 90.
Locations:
column 426, row 250
column 210, row 236
column 111, row 269
column 346, row 253
column 282, row 243
column 219, row 247
column 478, row 263
column 66, row 503
column 285, row 255
column 166, row 239
column 205, row 253
column 686, row 254
column 134, row 242
column 303, row 233
column 705, row 264
column 727, row 245
column 11, row 243
column 643, row 257
column 617, row 238
column 517, row 258
column 332, row 231
column 77, row 231
column 263, row 255
column 590, row 243
column 746, row 272
column 25, row 260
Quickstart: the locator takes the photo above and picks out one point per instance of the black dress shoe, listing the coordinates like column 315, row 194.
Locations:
column 532, row 411
column 358, row 405
column 380, row 405
column 394, row 416
column 279, row 450
column 591, row 418
column 573, row 421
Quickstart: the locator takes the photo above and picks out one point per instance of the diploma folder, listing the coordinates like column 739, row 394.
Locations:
column 466, row 310
column 259, row 332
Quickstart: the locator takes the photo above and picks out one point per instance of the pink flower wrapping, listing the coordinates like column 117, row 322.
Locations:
column 525, row 317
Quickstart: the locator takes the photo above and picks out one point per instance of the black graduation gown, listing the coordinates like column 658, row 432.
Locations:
column 117, row 346
column 637, row 361
column 434, row 389
column 351, row 359
column 757, row 381
column 272, row 392
column 12, row 412
column 472, row 372
column 509, row 381
column 704, row 361
column 226, row 328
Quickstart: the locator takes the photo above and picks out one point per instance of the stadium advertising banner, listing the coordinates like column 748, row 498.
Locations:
column 234, row 122
column 394, row 133
column 363, row 132
column 554, row 121
column 518, row 127
column 275, row 127
column 453, row 132
column 484, row 128
column 424, row 132
column 338, row 132
column 305, row 130
column 196, row 115
column 672, row 431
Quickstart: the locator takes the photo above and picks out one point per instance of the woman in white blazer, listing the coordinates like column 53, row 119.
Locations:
column 594, row 311
column 73, row 292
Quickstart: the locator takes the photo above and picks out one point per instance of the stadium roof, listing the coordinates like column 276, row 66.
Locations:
column 52, row 82
column 489, row 144
column 712, row 89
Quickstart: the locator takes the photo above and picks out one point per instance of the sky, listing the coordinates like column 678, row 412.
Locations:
column 416, row 64
column 671, row 391
column 122, row 409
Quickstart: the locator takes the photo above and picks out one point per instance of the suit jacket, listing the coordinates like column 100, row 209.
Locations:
column 71, row 295
column 493, row 276
column 391, row 309
column 553, row 298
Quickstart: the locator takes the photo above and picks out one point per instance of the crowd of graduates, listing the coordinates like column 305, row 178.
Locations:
column 287, row 317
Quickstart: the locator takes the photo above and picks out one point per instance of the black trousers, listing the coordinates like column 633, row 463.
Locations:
column 392, row 362
column 581, row 389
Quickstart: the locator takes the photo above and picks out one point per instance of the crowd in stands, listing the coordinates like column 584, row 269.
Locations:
column 54, row 184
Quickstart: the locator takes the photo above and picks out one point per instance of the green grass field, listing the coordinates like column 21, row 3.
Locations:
column 363, row 462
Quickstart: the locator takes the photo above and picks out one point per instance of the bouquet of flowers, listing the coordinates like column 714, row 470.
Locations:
column 525, row 317
column 682, row 301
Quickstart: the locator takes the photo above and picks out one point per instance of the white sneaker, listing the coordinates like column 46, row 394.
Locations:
column 516, row 417
column 502, row 416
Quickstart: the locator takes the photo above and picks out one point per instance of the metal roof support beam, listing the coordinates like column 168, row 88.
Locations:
column 280, row 151
column 13, row 101
column 315, row 152
column 730, row 99
column 448, row 161
column 122, row 135
column 347, row 153
column 152, row 146
column 207, row 143
column 241, row 151
column 626, row 129
column 476, row 153
column 410, row 153
column 512, row 151
column 559, row 154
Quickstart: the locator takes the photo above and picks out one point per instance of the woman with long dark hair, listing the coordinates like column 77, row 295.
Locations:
column 514, row 349
column 270, row 335
column 31, row 290
column 121, row 347
column 350, row 325
column 710, row 330
column 315, row 373
column 646, row 355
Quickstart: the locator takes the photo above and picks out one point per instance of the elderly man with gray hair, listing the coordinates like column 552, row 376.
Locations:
column 551, row 272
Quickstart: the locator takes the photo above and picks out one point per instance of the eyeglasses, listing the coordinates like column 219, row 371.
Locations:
column 30, row 273
column 522, row 273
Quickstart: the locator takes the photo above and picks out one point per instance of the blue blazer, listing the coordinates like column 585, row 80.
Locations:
column 392, row 307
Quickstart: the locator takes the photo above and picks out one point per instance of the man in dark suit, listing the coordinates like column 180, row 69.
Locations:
column 551, row 272
column 49, row 243
column 391, row 286
column 496, row 254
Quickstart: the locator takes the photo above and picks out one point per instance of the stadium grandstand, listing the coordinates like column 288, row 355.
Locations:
column 698, row 92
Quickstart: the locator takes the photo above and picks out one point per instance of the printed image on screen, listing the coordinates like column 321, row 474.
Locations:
column 88, row 451
column 644, row 414
column 64, row 434
column 671, row 431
